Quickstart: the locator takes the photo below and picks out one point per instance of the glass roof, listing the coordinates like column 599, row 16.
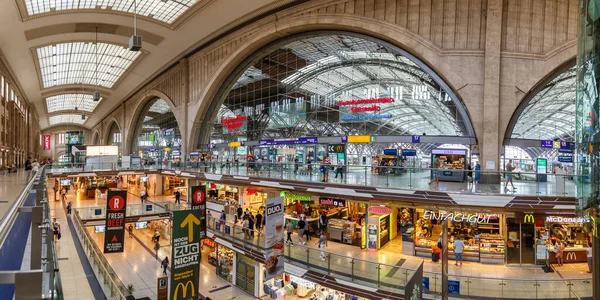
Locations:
column 70, row 118
column 75, row 63
column 161, row 10
column 551, row 113
column 160, row 107
column 70, row 101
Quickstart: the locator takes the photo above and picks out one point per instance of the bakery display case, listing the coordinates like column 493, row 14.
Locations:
column 491, row 248
column 335, row 228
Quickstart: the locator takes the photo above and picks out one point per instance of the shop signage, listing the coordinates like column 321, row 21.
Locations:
column 301, row 281
column 199, row 203
column 414, row 286
column 333, row 202
column 236, row 144
column 449, row 151
column 560, row 219
column 209, row 242
column 185, row 243
column 290, row 196
column 409, row 152
column 251, row 191
column 567, row 159
column 163, row 288
column 380, row 210
column 529, row 218
column 274, row 237
column 336, row 148
column 458, row 217
column 234, row 124
column 115, row 221
column 356, row 109
column 365, row 101
column 46, row 142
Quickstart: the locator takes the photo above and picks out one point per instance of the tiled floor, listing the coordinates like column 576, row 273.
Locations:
column 11, row 185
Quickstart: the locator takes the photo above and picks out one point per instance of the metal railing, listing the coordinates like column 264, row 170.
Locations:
column 112, row 286
column 451, row 180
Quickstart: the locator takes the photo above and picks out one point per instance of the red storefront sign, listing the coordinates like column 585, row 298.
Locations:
column 46, row 142
column 380, row 210
column 233, row 124
column 365, row 101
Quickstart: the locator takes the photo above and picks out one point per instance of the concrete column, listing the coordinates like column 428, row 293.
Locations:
column 490, row 141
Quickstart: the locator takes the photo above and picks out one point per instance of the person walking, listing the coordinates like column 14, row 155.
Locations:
column 509, row 176
column 322, row 243
column 56, row 230
column 296, row 165
column 165, row 264
column 440, row 246
column 130, row 230
column 307, row 230
column 63, row 193
column 309, row 164
column 69, row 208
column 222, row 219
column 325, row 168
column 156, row 237
column 240, row 211
column 251, row 225
column 322, row 222
column 259, row 222
column 177, row 196
column 156, row 247
column 459, row 246
column 290, row 230
column 559, row 253
column 589, row 257
column 35, row 167
column 436, row 172
column 245, row 225
column 28, row 167
column 301, row 226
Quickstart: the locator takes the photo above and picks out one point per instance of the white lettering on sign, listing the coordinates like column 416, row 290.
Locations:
column 273, row 209
column 420, row 92
column 186, row 255
column 559, row 219
column 459, row 217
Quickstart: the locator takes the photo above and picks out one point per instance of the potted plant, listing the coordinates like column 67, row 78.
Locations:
column 129, row 290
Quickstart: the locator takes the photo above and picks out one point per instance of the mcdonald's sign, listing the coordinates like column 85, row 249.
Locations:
column 529, row 218
column 571, row 256
column 184, row 291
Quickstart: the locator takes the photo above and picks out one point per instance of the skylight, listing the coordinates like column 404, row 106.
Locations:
column 160, row 106
column 75, row 63
column 162, row 10
column 83, row 102
column 66, row 119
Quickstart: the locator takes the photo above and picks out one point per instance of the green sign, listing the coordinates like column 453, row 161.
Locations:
column 185, row 268
column 294, row 197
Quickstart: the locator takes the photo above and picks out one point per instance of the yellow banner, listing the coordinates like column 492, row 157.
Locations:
column 359, row 139
column 235, row 144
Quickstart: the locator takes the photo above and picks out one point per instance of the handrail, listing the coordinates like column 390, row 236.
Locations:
column 10, row 216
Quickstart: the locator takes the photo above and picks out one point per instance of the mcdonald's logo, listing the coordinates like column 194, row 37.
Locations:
column 529, row 218
column 571, row 256
column 184, row 292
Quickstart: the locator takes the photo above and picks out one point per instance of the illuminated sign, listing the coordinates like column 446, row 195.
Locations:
column 332, row 202
column 365, row 101
column 567, row 159
column 290, row 141
column 449, row 151
column 571, row 255
column 541, row 166
column 365, row 117
column 189, row 285
column 529, row 218
column 234, row 124
column 290, row 196
column 46, row 142
column 359, row 139
column 560, row 219
column 102, row 150
column 356, row 109
column 458, row 217
column 235, row 144
column 380, row 210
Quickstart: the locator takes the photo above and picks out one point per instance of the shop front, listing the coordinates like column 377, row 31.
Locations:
column 292, row 287
column 451, row 164
column 379, row 228
column 482, row 233
column 173, row 183
column 569, row 230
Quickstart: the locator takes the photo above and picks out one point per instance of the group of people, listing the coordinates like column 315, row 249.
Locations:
column 438, row 248
column 249, row 222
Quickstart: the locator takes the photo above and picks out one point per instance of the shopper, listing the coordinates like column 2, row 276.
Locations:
column 222, row 219
column 56, row 230
column 142, row 196
column 440, row 246
column 559, row 253
column 35, row 166
column 165, row 264
column 435, row 252
column 459, row 245
column 63, row 193
column 437, row 165
column 69, row 208
column 322, row 243
column 156, row 237
column 130, row 229
column 307, row 229
column 251, row 225
column 177, row 196
column 245, row 224
column 325, row 168
column 296, row 165
column 240, row 211
column 290, row 230
column 509, row 177
column 301, row 226
column 28, row 167
column 322, row 222
column 259, row 222
column 589, row 257
column 339, row 170
column 309, row 164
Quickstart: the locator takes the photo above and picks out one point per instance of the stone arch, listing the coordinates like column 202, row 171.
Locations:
column 420, row 48
column 144, row 99
column 96, row 138
column 560, row 68
column 58, row 154
column 107, row 129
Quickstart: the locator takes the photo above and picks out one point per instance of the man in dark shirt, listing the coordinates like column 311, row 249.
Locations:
column 296, row 165
column 28, row 167
column 259, row 222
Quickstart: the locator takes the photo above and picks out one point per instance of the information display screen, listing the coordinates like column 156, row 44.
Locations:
column 542, row 166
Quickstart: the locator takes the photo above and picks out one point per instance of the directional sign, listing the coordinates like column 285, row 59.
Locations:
column 199, row 203
column 336, row 148
column 185, row 270
column 163, row 288
column 115, row 221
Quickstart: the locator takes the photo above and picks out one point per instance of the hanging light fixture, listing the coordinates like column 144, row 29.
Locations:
column 96, row 96
column 135, row 41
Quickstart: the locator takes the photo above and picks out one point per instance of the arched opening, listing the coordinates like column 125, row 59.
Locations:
column 96, row 139
column 156, row 135
column 115, row 137
column 327, row 86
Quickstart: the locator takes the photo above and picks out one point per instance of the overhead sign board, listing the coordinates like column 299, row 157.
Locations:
column 336, row 148
column 359, row 139
column 567, row 159
column 409, row 152
column 102, row 150
column 115, row 221
column 290, row 141
column 185, row 271
column 449, row 151
column 557, row 144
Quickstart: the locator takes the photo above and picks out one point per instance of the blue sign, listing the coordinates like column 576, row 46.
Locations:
column 548, row 144
column 302, row 140
column 218, row 226
column 565, row 150
column 567, row 159
column 390, row 152
column 148, row 207
column 426, row 284
column 409, row 152
column 416, row 138
column 227, row 229
column 194, row 154
column 567, row 145
column 453, row 287
column 97, row 211
column 344, row 139
column 447, row 173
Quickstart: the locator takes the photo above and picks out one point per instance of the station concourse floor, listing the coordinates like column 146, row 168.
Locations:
column 138, row 266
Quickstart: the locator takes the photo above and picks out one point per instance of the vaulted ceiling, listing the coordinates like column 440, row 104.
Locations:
column 51, row 47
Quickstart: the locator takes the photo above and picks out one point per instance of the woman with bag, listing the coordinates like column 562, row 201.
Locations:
column 325, row 168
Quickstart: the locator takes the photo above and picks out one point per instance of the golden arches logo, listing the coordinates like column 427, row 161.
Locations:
column 571, row 255
column 185, row 289
column 529, row 218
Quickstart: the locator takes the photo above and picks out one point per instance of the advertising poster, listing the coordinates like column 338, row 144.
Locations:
column 274, row 242
column 46, row 142
column 115, row 221
column 185, row 271
column 414, row 286
column 199, row 203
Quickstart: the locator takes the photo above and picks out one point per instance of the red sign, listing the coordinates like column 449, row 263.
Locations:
column 116, row 203
column 365, row 101
column 233, row 124
column 251, row 191
column 198, row 196
column 46, row 142
column 380, row 210
column 356, row 109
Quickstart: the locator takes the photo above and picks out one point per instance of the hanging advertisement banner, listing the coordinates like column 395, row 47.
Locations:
column 199, row 203
column 46, row 142
column 274, row 242
column 414, row 286
column 115, row 221
column 185, row 271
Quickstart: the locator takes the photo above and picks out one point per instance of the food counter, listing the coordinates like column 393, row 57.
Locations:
column 470, row 253
column 571, row 255
column 491, row 249
column 336, row 213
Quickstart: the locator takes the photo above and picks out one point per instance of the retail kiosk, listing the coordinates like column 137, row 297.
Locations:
column 452, row 164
